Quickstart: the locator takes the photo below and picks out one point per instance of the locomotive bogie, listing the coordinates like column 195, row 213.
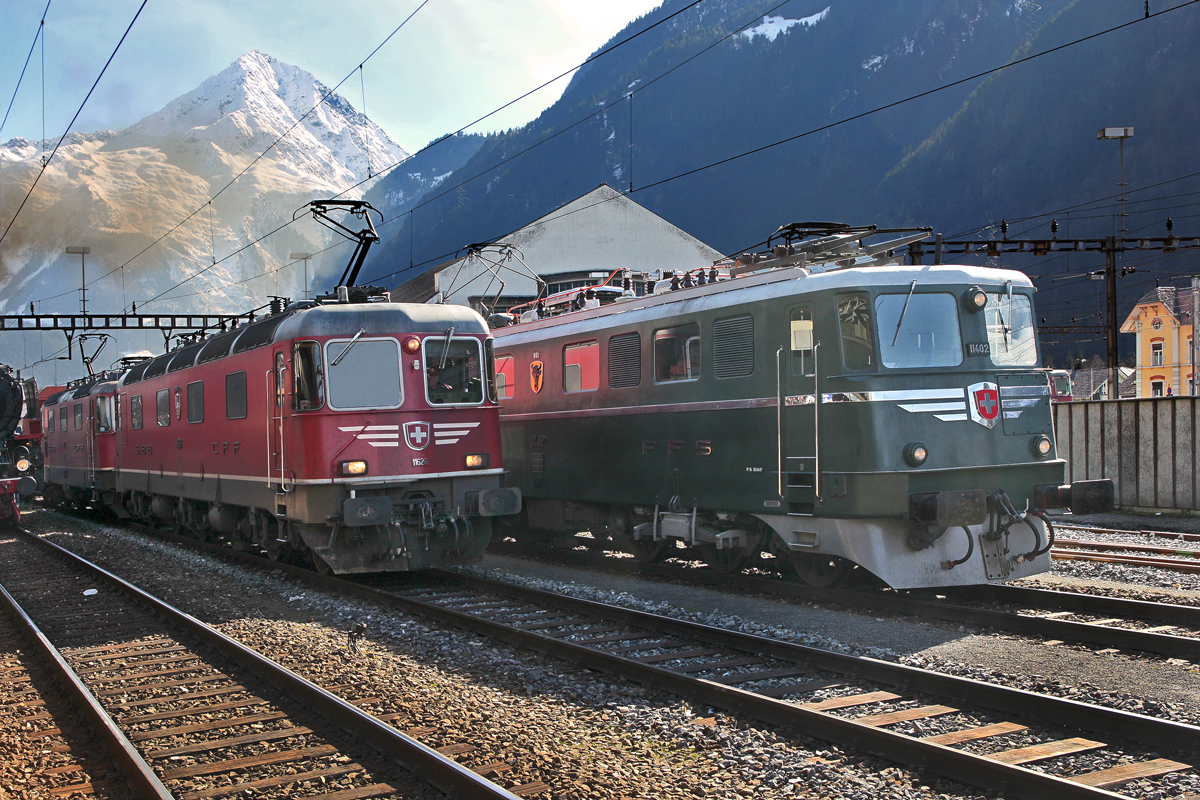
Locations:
column 878, row 417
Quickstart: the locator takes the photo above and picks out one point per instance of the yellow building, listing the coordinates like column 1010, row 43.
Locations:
column 1162, row 322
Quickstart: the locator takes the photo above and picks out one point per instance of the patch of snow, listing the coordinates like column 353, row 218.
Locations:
column 771, row 27
column 874, row 63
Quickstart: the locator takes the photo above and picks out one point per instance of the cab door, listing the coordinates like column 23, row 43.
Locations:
column 276, row 416
column 799, row 413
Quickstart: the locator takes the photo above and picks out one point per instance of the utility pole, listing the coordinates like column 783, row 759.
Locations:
column 1114, row 245
column 82, row 253
column 1195, row 334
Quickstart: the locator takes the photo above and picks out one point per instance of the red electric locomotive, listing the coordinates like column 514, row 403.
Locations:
column 360, row 433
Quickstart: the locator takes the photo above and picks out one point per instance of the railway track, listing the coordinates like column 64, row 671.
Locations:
column 1173, row 558
column 1164, row 629
column 898, row 712
column 192, row 714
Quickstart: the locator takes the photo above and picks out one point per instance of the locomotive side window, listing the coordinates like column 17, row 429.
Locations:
column 452, row 370
column 677, row 354
column 135, row 412
column 506, row 377
column 624, row 360
column 309, row 388
column 118, row 403
column 581, row 367
column 918, row 330
column 364, row 373
column 62, row 419
column 195, row 401
column 1009, row 319
column 235, row 395
column 733, row 347
column 163, row 407
column 79, row 416
column 802, row 341
column 50, row 421
column 104, row 415
column 858, row 340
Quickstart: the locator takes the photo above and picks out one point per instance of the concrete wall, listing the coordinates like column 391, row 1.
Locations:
column 1147, row 447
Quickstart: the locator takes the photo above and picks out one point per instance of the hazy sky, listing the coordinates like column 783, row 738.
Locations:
column 452, row 63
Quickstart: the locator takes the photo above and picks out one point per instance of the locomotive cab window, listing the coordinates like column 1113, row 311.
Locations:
column 62, row 419
column 162, row 407
column 104, row 414
column 918, row 330
column 363, row 373
column 135, row 412
column 79, row 416
column 235, row 395
column 453, row 371
column 677, row 354
column 195, row 401
column 581, row 367
column 506, row 376
column 308, row 391
column 1010, row 330
column 857, row 332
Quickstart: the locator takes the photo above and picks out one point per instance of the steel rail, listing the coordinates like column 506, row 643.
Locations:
column 1173, row 564
column 425, row 762
column 958, row 765
column 1083, row 603
column 138, row 773
column 1026, row 624
column 1083, row 544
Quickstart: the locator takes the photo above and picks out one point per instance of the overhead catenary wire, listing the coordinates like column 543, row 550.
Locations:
column 36, row 36
column 46, row 162
column 846, row 120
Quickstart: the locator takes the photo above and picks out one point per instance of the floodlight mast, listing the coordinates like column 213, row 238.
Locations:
column 364, row 238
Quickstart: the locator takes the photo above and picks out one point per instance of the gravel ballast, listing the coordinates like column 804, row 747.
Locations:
column 590, row 735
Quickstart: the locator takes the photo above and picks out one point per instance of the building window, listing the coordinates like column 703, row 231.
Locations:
column 581, row 367
column 1156, row 388
column 195, row 401
column 1156, row 354
column 135, row 412
column 235, row 395
column 677, row 354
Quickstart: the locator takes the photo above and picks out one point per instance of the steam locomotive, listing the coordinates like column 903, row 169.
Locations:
column 815, row 405
column 20, row 454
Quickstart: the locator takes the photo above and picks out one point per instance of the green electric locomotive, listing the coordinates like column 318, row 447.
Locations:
column 816, row 405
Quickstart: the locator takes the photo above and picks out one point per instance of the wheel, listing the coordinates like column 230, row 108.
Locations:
column 648, row 551
column 821, row 571
column 319, row 564
column 729, row 560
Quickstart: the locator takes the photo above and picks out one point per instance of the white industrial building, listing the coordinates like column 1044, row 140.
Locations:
column 580, row 244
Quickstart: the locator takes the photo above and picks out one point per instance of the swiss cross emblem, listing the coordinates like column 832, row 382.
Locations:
column 985, row 403
column 416, row 435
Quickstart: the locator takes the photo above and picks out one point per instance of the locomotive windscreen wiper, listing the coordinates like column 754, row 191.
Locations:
column 446, row 349
column 342, row 354
column 912, row 286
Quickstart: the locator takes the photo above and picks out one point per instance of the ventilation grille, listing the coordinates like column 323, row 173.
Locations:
column 733, row 347
column 625, row 360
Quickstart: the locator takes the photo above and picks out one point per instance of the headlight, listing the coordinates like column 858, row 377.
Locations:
column 974, row 299
column 478, row 461
column 412, row 344
column 23, row 465
column 915, row 453
column 1041, row 445
column 354, row 468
